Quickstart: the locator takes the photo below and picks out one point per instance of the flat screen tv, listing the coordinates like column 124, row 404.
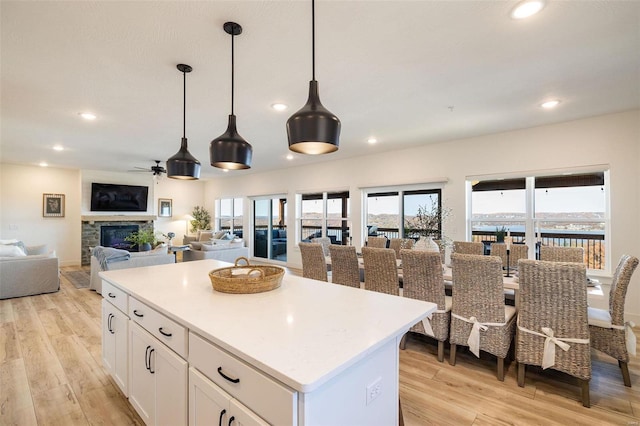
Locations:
column 107, row 197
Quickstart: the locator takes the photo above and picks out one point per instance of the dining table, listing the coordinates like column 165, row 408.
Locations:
column 510, row 282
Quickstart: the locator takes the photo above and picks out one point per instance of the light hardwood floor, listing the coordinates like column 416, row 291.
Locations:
column 51, row 374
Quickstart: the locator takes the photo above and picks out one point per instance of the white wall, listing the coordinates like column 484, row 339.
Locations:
column 612, row 140
column 21, row 197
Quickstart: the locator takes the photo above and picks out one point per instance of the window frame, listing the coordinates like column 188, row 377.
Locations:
column 400, row 190
column 532, row 222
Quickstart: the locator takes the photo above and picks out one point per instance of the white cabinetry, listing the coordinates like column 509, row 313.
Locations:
column 158, row 380
column 115, row 337
column 208, row 405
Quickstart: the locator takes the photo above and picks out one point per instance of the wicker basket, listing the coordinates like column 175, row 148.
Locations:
column 245, row 279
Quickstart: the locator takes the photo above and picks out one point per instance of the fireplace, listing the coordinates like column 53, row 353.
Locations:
column 114, row 235
column 93, row 235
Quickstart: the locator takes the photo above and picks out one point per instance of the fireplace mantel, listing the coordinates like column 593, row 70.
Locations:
column 118, row 218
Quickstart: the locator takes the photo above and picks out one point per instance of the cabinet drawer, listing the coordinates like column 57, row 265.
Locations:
column 164, row 329
column 268, row 398
column 115, row 296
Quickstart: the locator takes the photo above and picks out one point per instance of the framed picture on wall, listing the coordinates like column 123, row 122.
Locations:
column 164, row 207
column 53, row 205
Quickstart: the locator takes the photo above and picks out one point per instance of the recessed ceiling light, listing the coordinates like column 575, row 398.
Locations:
column 372, row 140
column 58, row 148
column 289, row 156
column 550, row 104
column 87, row 115
column 225, row 170
column 279, row 107
column 527, row 8
column 43, row 164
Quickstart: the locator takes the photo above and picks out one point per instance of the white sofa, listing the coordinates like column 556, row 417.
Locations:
column 137, row 260
column 222, row 253
column 35, row 272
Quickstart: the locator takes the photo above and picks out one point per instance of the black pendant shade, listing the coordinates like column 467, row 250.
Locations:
column 183, row 165
column 229, row 150
column 313, row 129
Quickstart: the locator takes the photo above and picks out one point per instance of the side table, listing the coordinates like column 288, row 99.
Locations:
column 176, row 249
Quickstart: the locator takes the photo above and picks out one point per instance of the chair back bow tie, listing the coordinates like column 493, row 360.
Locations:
column 474, row 336
column 426, row 322
column 550, row 343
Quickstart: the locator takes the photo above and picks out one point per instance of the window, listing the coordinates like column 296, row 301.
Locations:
column 270, row 228
column 564, row 210
column 229, row 215
column 388, row 212
column 325, row 214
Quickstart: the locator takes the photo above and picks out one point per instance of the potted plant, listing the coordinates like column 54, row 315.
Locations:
column 144, row 239
column 201, row 219
column 500, row 234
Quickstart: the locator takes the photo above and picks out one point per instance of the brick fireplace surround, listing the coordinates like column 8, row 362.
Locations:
column 91, row 230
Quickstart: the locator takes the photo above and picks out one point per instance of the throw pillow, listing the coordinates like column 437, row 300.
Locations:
column 227, row 236
column 8, row 250
column 35, row 250
column 218, row 235
column 205, row 235
column 195, row 245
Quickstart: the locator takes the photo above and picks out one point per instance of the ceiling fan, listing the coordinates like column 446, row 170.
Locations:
column 157, row 170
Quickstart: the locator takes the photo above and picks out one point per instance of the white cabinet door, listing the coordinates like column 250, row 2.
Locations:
column 142, row 382
column 115, row 345
column 171, row 386
column 158, row 380
column 242, row 416
column 208, row 404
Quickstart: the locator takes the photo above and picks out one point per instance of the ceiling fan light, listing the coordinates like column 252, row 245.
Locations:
column 230, row 151
column 313, row 129
column 183, row 165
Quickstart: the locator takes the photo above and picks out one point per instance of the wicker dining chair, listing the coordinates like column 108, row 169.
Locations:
column 377, row 242
column 422, row 280
column 516, row 252
column 314, row 264
column 465, row 247
column 344, row 265
column 380, row 270
column 553, row 330
column 325, row 242
column 479, row 317
column 607, row 328
column 398, row 244
column 562, row 254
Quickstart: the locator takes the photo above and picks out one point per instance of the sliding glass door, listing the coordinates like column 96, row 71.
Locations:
column 270, row 228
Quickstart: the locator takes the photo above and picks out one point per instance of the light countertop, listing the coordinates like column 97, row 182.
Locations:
column 303, row 333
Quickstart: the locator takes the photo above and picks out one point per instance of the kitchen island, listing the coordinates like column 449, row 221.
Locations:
column 307, row 353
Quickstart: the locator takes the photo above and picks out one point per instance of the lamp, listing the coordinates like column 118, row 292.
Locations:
column 313, row 129
column 230, row 150
column 183, row 165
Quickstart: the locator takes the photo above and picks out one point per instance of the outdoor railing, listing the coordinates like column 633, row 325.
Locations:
column 593, row 244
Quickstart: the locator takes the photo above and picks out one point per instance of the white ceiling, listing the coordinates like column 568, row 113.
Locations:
column 389, row 69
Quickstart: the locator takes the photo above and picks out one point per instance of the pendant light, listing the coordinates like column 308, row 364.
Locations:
column 183, row 165
column 230, row 151
column 313, row 129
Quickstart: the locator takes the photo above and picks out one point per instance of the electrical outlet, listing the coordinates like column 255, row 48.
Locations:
column 374, row 390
